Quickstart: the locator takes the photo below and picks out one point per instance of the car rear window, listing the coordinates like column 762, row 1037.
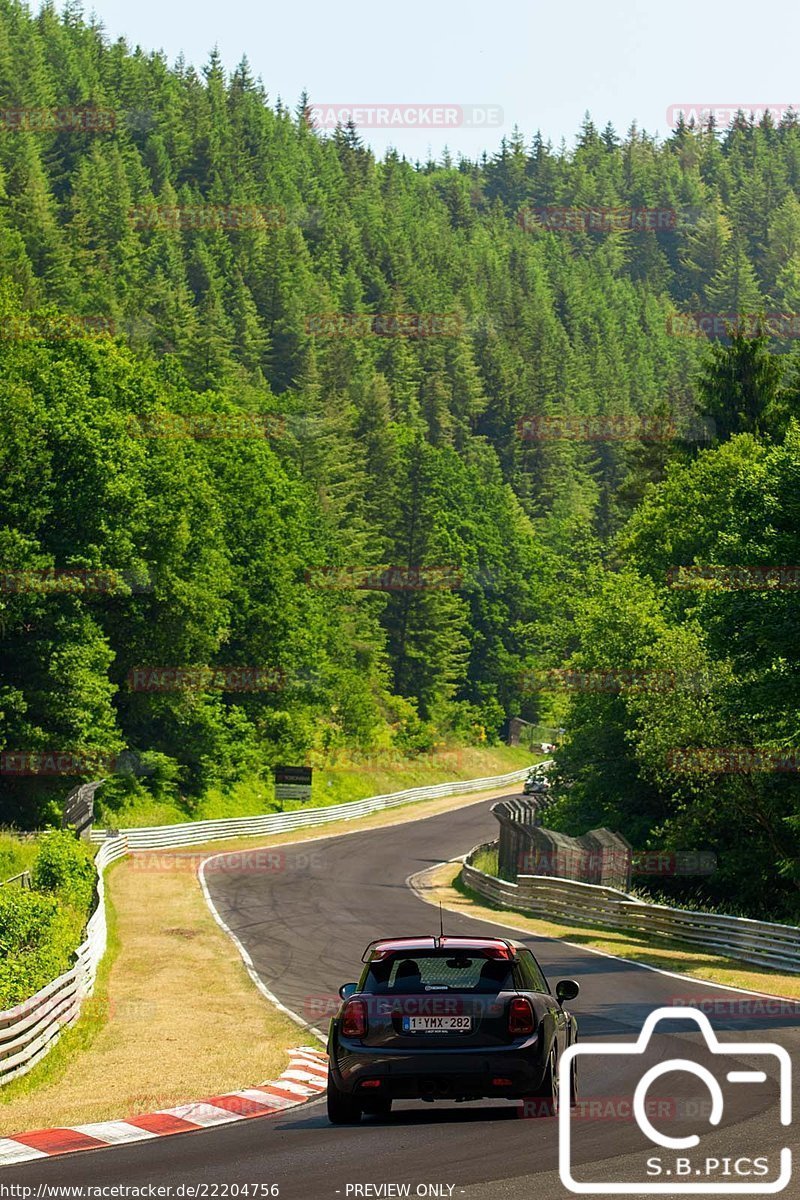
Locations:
column 405, row 974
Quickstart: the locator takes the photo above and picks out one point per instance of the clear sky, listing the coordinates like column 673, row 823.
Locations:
column 541, row 65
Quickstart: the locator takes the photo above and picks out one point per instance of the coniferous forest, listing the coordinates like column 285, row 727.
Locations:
column 270, row 404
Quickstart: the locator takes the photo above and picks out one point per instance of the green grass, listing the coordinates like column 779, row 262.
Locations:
column 345, row 780
column 15, row 855
column 487, row 861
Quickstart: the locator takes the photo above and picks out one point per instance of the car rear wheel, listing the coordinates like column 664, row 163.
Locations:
column 342, row 1108
column 573, row 1084
column 544, row 1102
column 548, row 1092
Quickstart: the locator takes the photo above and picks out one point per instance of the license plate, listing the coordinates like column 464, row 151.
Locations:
column 447, row 1024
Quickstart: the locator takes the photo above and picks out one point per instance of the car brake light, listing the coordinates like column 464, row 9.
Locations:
column 520, row 1016
column 354, row 1019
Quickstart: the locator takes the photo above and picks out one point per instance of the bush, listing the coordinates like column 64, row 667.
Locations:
column 64, row 865
column 40, row 930
column 31, row 943
column 25, row 919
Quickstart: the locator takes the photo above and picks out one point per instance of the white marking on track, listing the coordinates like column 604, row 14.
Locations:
column 114, row 1132
column 12, row 1152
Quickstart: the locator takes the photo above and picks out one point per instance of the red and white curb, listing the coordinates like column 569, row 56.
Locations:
column 304, row 1079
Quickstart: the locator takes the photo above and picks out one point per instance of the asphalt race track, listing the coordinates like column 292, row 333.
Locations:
column 305, row 926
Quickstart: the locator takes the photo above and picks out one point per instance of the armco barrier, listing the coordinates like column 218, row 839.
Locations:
column 159, row 837
column 31, row 1029
column 764, row 943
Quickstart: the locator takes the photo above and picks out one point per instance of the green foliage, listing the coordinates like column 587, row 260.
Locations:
column 389, row 451
column 40, row 929
column 64, row 865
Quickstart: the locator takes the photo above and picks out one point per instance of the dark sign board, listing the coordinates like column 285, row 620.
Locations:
column 79, row 808
column 292, row 783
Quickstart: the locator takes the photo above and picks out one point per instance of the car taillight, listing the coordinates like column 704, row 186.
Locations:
column 520, row 1016
column 354, row 1019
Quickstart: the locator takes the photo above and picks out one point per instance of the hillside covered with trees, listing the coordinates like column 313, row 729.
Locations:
column 269, row 404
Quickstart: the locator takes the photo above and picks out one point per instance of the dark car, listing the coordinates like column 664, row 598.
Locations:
column 455, row 1018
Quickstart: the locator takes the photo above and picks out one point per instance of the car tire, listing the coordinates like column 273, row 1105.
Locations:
column 548, row 1093
column 573, row 1084
column 544, row 1102
column 342, row 1108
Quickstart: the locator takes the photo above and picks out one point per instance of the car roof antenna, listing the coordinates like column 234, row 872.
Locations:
column 441, row 926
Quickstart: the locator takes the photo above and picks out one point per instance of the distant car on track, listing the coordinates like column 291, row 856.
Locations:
column 447, row 1018
column 535, row 783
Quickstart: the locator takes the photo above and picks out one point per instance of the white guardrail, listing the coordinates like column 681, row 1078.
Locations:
column 31, row 1029
column 761, row 942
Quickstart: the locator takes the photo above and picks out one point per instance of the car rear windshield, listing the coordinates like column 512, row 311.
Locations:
column 438, row 972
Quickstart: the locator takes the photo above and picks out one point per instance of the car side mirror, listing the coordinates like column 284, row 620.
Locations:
column 567, row 989
column 347, row 989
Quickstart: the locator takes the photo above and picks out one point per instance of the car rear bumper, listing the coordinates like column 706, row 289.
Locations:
column 508, row 1074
